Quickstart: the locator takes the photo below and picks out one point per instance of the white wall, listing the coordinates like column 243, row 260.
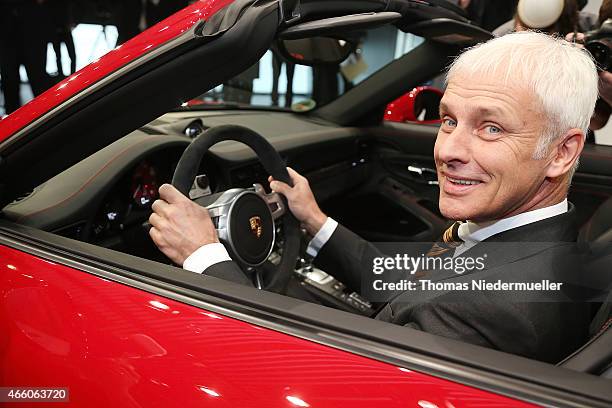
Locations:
column 592, row 6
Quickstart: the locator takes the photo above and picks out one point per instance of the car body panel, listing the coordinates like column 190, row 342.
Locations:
column 115, row 345
column 402, row 109
column 128, row 52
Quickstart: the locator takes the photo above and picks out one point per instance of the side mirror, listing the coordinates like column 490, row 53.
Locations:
column 316, row 50
column 421, row 105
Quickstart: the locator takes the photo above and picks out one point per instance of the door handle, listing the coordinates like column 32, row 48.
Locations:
column 430, row 176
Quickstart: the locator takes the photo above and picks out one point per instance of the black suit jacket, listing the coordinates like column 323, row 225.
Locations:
column 545, row 327
column 542, row 325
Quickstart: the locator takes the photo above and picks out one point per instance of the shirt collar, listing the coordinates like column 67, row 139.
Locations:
column 472, row 232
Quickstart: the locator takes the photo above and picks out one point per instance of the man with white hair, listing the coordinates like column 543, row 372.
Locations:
column 514, row 118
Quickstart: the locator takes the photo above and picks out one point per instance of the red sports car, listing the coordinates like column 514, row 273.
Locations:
column 93, row 314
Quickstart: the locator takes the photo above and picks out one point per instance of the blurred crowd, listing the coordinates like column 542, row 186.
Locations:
column 28, row 26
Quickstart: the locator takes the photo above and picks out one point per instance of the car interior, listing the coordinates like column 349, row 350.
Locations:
column 377, row 178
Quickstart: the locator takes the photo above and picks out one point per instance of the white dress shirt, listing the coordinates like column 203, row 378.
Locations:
column 206, row 256
column 470, row 232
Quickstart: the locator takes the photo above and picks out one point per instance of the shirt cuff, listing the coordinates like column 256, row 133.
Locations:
column 206, row 256
column 321, row 238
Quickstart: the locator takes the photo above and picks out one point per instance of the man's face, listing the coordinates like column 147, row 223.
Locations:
column 484, row 150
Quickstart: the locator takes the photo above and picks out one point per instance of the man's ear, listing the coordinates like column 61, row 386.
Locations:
column 565, row 153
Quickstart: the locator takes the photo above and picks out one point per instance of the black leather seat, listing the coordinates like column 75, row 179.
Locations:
column 595, row 357
column 598, row 229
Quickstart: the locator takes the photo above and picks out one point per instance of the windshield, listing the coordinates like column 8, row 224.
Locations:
column 273, row 82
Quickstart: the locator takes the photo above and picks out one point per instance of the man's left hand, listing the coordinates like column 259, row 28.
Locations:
column 179, row 226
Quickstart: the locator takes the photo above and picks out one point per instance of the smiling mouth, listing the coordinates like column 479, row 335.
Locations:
column 463, row 182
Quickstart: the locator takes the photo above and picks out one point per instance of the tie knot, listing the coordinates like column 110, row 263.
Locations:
column 451, row 235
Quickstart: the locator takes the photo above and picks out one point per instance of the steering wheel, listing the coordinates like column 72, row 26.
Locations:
column 246, row 219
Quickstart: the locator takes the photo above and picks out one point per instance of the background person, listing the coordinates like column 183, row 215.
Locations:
column 605, row 78
column 61, row 33
column 277, row 64
column 128, row 15
column 22, row 44
column 603, row 107
column 158, row 10
column 489, row 14
column 550, row 16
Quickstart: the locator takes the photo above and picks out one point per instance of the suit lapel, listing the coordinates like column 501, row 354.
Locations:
column 519, row 243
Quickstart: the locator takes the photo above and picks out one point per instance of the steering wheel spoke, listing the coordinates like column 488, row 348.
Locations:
column 275, row 201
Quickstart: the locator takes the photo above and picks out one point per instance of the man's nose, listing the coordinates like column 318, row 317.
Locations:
column 454, row 147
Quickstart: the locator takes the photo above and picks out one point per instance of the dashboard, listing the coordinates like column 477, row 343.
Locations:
column 105, row 198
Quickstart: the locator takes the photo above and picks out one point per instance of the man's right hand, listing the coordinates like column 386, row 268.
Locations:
column 179, row 226
column 302, row 202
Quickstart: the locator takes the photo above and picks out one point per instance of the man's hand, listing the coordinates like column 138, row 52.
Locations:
column 302, row 202
column 179, row 226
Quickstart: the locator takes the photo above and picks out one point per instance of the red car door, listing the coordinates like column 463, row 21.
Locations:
column 115, row 345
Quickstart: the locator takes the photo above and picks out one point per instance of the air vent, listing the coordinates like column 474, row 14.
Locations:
column 194, row 129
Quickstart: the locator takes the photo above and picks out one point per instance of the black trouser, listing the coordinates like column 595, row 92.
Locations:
column 64, row 35
column 324, row 84
column 277, row 64
column 22, row 42
column 128, row 14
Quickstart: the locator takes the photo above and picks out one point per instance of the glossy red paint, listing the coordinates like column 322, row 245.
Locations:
column 117, row 346
column 402, row 109
column 150, row 39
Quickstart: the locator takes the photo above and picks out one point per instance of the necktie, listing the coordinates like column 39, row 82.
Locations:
column 450, row 240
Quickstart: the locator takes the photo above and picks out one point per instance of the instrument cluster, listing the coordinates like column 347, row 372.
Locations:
column 128, row 204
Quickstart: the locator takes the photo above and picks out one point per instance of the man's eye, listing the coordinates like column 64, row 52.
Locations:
column 449, row 122
column 494, row 130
